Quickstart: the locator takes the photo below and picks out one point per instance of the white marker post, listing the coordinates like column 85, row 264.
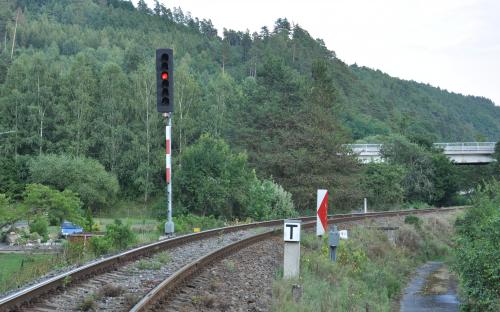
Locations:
column 365, row 204
column 322, row 212
column 291, row 257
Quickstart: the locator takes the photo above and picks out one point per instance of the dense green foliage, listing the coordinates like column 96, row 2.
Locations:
column 119, row 234
column 382, row 183
column 84, row 176
column 42, row 201
column 212, row 180
column 215, row 181
column 478, row 251
column 8, row 212
column 77, row 80
column 270, row 201
column 118, row 237
column 41, row 226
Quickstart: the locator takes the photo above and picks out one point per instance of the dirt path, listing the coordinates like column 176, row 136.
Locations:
column 432, row 289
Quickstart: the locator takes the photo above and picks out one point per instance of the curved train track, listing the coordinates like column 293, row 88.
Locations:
column 30, row 296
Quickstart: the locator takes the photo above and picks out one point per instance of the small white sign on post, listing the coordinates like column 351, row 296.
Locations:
column 291, row 256
column 343, row 234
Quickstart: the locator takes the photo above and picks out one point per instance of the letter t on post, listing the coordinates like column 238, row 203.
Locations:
column 291, row 257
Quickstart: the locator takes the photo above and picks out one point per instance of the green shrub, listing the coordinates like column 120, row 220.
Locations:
column 213, row 180
column 74, row 252
column 477, row 255
column 100, row 245
column 270, row 201
column 84, row 176
column 58, row 206
column 120, row 235
column 40, row 226
column 413, row 220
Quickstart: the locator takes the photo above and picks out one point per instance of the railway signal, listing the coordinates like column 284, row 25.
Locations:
column 165, row 80
column 165, row 105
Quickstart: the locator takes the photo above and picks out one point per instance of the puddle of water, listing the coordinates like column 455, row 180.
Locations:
column 432, row 289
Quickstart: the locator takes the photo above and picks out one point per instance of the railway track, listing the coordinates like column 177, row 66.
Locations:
column 150, row 271
column 160, row 297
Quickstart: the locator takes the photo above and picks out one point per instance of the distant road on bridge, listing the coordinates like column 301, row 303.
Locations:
column 459, row 153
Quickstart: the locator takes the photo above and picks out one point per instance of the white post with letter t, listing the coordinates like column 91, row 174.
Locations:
column 291, row 256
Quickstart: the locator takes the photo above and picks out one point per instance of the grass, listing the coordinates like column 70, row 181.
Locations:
column 163, row 257
column 17, row 269
column 88, row 303
column 370, row 271
column 146, row 229
column 147, row 264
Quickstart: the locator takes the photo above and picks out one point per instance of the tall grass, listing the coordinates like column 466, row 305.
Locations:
column 370, row 271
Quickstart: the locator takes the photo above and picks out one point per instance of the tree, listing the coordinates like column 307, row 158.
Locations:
column 477, row 250
column 143, row 7
column 418, row 180
column 84, row 176
column 445, row 180
column 213, row 180
column 382, row 184
column 10, row 213
column 57, row 206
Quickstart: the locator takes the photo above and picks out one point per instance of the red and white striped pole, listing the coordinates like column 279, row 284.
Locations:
column 168, row 156
column 169, row 226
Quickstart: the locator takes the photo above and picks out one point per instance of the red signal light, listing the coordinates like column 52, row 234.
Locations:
column 164, row 76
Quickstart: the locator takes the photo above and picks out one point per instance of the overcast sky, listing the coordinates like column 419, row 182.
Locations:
column 453, row 44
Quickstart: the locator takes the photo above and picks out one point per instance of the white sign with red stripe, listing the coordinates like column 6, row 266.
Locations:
column 322, row 212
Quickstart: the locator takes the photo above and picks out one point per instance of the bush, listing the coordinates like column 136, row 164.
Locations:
column 74, row 252
column 100, row 245
column 40, row 226
column 413, row 220
column 270, row 201
column 85, row 176
column 382, row 183
column 477, row 255
column 213, row 180
column 40, row 200
column 120, row 235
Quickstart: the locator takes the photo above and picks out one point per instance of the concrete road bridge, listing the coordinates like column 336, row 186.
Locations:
column 459, row 152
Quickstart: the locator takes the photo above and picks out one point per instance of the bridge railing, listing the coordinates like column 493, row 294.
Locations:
column 364, row 148
column 487, row 147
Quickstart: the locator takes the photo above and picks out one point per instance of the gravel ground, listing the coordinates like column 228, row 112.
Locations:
column 120, row 289
column 240, row 282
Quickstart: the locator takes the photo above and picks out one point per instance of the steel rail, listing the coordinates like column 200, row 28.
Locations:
column 160, row 293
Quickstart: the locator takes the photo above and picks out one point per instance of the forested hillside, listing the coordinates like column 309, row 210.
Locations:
column 77, row 79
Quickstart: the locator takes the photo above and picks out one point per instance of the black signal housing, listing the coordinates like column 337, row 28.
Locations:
column 164, row 80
